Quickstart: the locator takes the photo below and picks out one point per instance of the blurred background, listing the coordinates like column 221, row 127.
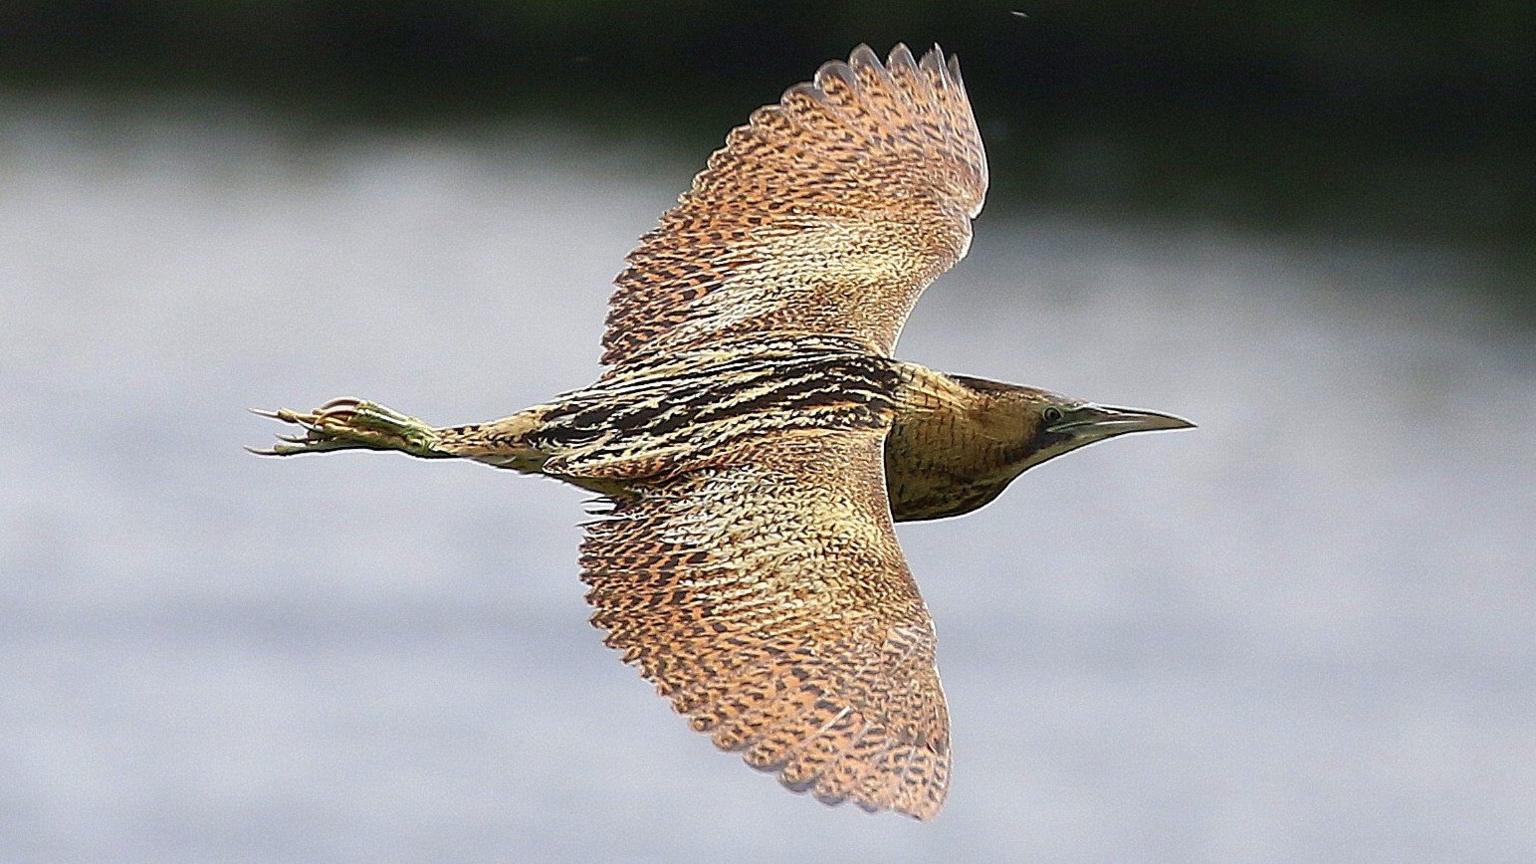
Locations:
column 1301, row 632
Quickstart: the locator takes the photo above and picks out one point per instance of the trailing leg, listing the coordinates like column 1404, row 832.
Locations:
column 353, row 424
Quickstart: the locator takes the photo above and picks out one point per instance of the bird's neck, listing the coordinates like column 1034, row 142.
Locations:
column 955, row 443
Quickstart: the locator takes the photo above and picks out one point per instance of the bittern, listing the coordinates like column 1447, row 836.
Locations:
column 756, row 439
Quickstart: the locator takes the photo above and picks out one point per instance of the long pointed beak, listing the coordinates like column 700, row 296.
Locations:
column 1102, row 421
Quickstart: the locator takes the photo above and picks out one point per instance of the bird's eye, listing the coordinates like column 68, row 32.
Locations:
column 1052, row 414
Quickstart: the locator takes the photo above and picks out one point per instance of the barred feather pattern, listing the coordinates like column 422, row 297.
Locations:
column 667, row 412
column 828, row 212
column 765, row 594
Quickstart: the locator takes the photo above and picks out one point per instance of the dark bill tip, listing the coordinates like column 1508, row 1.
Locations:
column 1104, row 420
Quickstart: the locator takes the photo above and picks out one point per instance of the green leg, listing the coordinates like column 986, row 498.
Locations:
column 352, row 424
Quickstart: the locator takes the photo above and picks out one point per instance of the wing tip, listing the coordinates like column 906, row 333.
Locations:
column 869, row 788
column 839, row 69
column 863, row 55
column 954, row 71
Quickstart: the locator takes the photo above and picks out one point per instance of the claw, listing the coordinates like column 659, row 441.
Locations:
column 347, row 424
column 286, row 415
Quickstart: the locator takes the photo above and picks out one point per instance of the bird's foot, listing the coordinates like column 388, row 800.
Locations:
column 351, row 424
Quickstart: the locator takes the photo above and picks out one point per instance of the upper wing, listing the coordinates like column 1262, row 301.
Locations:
column 766, row 595
column 827, row 213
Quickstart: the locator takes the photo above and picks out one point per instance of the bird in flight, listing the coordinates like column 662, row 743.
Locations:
column 755, row 439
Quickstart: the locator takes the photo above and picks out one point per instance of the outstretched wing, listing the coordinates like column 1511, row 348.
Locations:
column 827, row 213
column 766, row 595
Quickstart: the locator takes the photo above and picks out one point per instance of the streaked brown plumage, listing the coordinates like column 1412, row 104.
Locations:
column 757, row 440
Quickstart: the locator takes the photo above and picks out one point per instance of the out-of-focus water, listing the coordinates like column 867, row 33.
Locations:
column 1300, row 633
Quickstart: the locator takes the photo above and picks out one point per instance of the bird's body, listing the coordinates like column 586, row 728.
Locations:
column 757, row 439
column 951, row 444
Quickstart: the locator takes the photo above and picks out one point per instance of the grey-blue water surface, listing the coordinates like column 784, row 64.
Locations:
column 1302, row 632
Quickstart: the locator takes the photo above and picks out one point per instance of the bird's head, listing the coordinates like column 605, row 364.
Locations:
column 1057, row 424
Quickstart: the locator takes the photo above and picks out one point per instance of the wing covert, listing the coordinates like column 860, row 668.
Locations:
column 828, row 213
